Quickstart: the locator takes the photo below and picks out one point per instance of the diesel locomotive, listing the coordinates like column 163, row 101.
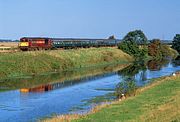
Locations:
column 35, row 43
column 39, row 43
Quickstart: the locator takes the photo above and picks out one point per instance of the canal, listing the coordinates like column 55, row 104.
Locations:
column 35, row 97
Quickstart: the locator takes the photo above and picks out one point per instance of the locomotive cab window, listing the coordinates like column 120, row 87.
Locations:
column 46, row 41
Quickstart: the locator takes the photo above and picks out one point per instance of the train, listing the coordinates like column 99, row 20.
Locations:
column 41, row 43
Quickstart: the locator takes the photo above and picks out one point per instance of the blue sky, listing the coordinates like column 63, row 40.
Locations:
column 88, row 18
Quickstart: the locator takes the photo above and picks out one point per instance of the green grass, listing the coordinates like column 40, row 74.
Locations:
column 37, row 62
column 158, row 102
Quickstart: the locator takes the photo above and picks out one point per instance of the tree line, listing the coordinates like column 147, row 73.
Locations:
column 135, row 43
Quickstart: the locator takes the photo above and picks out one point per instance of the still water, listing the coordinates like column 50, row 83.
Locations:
column 33, row 98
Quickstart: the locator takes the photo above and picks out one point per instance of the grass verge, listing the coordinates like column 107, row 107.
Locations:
column 157, row 102
column 37, row 62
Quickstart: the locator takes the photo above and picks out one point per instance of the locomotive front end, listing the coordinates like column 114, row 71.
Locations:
column 23, row 44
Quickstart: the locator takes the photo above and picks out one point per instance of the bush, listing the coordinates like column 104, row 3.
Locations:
column 158, row 50
column 154, row 48
column 176, row 43
column 127, row 87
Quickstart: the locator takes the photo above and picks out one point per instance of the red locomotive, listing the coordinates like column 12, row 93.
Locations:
column 27, row 43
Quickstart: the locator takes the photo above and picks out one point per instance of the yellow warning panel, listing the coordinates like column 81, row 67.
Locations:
column 23, row 44
column 24, row 90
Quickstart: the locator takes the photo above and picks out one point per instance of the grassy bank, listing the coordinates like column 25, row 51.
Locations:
column 157, row 102
column 27, row 63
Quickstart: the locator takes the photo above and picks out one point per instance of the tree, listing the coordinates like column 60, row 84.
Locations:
column 130, row 43
column 129, row 47
column 176, row 43
column 136, row 36
column 112, row 37
column 154, row 48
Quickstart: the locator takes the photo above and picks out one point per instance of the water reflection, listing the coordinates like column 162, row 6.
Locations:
column 62, row 78
column 75, row 91
column 176, row 62
column 136, row 75
column 129, row 74
column 42, row 88
column 155, row 65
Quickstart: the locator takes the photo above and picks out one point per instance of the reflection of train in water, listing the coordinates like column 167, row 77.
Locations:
column 47, row 87
column 64, row 84
column 42, row 88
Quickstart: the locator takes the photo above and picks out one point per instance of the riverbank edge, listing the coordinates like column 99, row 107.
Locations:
column 71, row 60
column 19, row 83
column 78, row 117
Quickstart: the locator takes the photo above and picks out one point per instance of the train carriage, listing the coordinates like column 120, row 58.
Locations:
column 70, row 43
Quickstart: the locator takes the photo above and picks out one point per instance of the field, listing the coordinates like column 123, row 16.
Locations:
column 8, row 46
column 37, row 62
column 157, row 102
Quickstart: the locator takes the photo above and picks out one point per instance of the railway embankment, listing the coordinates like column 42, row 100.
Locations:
column 39, row 62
